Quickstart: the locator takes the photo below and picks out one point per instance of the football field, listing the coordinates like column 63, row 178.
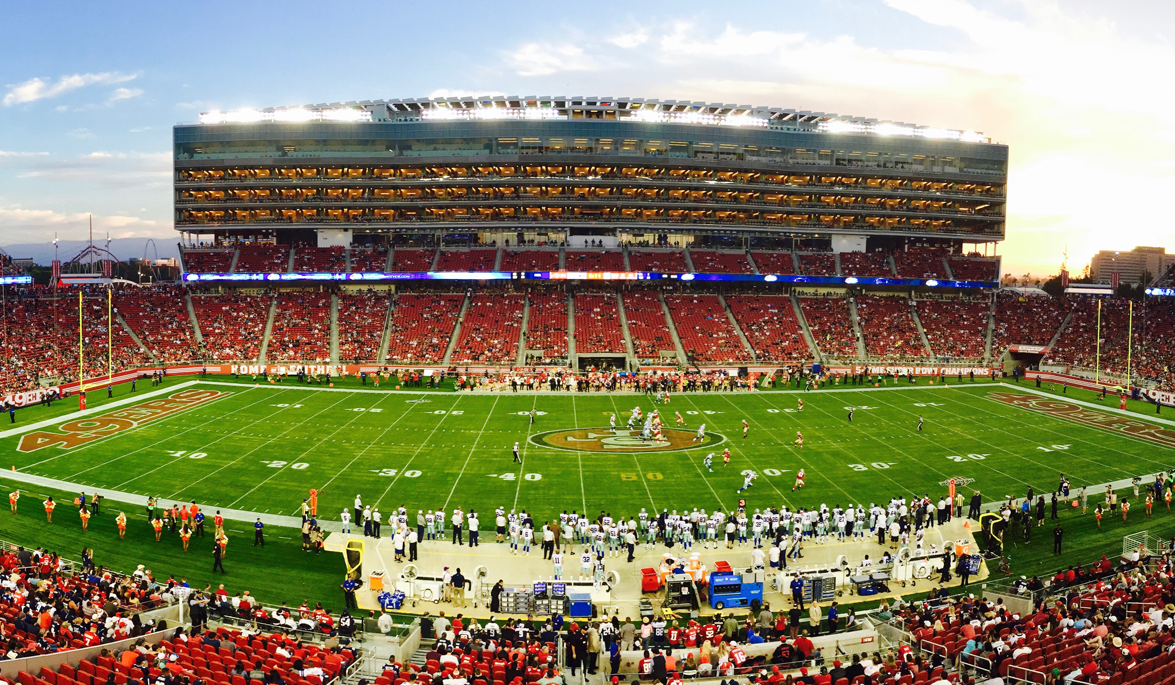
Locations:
column 261, row 448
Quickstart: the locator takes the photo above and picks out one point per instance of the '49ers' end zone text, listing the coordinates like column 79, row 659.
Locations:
column 92, row 428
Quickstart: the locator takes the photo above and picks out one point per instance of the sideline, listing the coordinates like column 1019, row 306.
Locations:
column 65, row 418
column 141, row 501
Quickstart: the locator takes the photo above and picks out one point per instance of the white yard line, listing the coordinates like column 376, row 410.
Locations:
column 1067, row 436
column 120, row 434
column 525, row 444
column 579, row 457
column 471, row 451
column 969, row 436
column 238, row 459
column 728, row 440
column 1084, row 403
column 134, row 499
column 156, row 443
column 419, row 449
column 641, row 472
column 72, row 416
column 364, row 451
column 308, row 450
column 892, row 446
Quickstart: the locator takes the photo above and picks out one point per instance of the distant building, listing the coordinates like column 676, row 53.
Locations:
column 1139, row 265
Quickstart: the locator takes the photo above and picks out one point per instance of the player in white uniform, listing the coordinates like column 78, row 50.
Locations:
column 612, row 422
column 748, row 480
column 557, row 559
column 709, row 462
column 701, row 434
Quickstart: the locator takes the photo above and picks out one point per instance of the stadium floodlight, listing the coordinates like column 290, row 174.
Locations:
column 213, row 117
column 938, row 133
column 346, row 115
column 835, row 126
column 972, row 137
column 294, row 115
column 893, row 130
column 244, row 116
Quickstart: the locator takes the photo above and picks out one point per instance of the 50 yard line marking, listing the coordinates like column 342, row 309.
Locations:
column 471, row 450
column 640, row 471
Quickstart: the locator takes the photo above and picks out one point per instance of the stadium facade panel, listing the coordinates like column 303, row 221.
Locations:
column 594, row 167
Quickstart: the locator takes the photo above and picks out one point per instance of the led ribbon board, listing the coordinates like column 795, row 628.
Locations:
column 378, row 276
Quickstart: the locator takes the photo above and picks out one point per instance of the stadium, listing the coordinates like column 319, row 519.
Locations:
column 492, row 318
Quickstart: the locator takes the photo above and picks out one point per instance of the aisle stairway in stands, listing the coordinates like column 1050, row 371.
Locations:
column 570, row 328
column 990, row 334
column 261, row 358
column 193, row 320
column 677, row 346
column 805, row 328
column 750, row 351
column 456, row 330
column 126, row 327
column 520, row 359
column 921, row 331
column 386, row 339
column 630, row 350
column 857, row 328
column 334, row 328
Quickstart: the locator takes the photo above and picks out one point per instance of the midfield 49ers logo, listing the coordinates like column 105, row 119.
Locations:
column 82, row 431
column 623, row 440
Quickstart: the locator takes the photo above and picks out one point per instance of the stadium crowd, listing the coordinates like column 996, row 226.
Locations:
column 40, row 342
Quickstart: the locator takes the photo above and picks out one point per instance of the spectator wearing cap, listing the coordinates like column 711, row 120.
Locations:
column 838, row 671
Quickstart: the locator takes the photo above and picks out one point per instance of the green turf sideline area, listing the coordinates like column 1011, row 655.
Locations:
column 261, row 447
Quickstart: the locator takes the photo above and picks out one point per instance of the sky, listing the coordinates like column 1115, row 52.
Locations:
column 1079, row 90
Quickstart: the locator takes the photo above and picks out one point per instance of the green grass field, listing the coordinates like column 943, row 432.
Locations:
column 262, row 448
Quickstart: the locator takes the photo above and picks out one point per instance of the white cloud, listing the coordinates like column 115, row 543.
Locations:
column 39, row 89
column 124, row 94
column 21, row 224
column 630, row 40
column 544, row 59
column 1071, row 91
column 11, row 153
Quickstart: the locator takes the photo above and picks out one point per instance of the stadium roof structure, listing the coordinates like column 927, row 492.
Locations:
column 545, row 107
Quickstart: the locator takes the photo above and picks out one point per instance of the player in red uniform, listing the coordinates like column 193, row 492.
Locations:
column 799, row 440
column 725, row 456
column 799, row 481
column 746, row 427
